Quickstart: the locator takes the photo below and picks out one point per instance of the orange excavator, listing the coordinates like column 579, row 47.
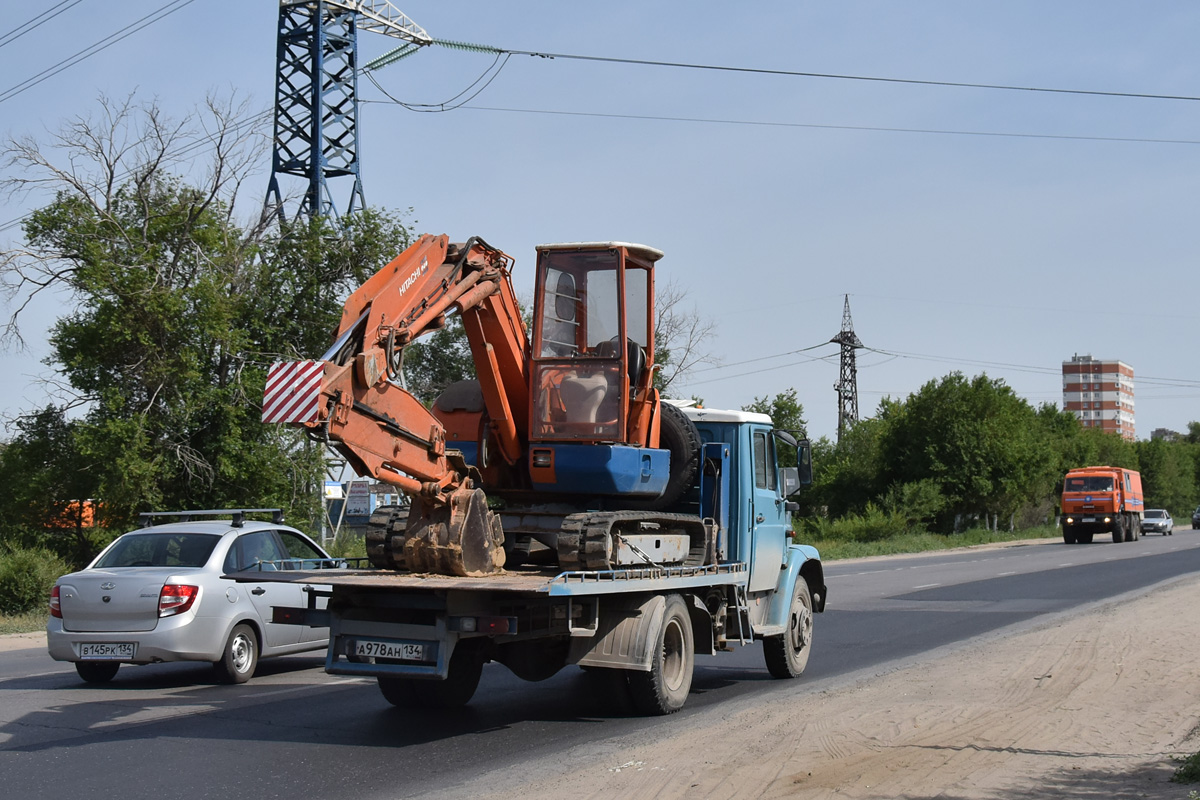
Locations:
column 559, row 452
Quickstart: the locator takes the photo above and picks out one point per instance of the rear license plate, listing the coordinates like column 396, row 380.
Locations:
column 106, row 650
column 404, row 651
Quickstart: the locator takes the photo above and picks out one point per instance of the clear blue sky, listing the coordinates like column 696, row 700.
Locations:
column 974, row 229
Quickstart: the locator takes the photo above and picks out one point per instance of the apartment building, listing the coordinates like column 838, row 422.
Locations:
column 1100, row 394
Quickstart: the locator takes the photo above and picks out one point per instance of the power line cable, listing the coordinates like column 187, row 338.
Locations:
column 816, row 126
column 36, row 22
column 448, row 105
column 823, row 75
column 767, row 358
column 91, row 50
column 1145, row 380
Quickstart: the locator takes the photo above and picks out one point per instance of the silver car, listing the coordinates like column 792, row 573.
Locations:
column 156, row 594
column 1158, row 521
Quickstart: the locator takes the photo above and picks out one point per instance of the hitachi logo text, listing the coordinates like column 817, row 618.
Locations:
column 418, row 272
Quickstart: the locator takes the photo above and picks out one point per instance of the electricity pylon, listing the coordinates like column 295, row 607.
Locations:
column 316, row 95
column 847, row 385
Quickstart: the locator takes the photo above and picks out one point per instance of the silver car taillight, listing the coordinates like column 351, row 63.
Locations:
column 55, row 603
column 176, row 598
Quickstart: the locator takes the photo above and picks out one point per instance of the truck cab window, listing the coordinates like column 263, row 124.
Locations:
column 764, row 462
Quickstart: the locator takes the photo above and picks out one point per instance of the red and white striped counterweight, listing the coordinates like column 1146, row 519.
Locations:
column 293, row 391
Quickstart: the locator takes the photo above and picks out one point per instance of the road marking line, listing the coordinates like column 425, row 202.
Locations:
column 927, row 586
column 1005, row 574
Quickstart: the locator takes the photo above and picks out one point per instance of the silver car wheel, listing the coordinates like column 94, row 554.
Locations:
column 241, row 651
column 241, row 656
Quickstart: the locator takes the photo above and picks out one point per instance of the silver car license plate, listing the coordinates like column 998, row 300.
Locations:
column 106, row 650
column 404, row 651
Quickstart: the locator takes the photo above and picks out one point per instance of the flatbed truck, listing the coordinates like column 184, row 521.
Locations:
column 426, row 637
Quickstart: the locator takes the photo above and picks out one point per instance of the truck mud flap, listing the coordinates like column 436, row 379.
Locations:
column 628, row 627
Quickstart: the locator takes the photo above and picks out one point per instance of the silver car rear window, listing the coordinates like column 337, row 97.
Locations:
column 160, row 550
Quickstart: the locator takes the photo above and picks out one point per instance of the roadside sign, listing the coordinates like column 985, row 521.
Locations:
column 358, row 499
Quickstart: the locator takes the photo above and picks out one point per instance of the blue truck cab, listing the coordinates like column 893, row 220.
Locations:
column 757, row 530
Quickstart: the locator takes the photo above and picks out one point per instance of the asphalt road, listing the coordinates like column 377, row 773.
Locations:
column 294, row 731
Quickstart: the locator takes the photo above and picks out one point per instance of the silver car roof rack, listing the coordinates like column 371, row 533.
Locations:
column 238, row 515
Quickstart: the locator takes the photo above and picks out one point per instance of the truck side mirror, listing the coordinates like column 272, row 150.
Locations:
column 801, row 474
column 804, row 462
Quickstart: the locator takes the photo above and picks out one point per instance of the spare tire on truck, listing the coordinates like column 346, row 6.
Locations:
column 678, row 435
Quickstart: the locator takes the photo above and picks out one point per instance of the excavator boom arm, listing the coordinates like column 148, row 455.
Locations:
column 352, row 398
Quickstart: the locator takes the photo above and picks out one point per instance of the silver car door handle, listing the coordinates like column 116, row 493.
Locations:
column 257, row 590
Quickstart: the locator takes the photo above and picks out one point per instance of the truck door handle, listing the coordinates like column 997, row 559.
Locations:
column 760, row 518
column 257, row 590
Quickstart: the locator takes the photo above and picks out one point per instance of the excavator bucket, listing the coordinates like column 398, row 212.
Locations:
column 460, row 538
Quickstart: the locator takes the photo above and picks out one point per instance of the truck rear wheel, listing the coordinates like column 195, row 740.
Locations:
column 787, row 653
column 466, row 667
column 664, row 689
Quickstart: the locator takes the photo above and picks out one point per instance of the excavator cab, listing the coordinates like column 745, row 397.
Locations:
column 592, row 400
column 593, row 343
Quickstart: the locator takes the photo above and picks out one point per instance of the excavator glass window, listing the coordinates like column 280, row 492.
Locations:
column 560, row 320
column 580, row 347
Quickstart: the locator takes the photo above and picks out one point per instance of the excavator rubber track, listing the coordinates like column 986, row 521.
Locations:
column 385, row 537
column 586, row 541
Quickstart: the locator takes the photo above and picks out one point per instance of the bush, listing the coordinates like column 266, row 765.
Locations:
column 26, row 576
column 1188, row 771
column 347, row 545
column 873, row 525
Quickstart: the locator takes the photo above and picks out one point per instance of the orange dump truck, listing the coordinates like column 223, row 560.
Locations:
column 1102, row 500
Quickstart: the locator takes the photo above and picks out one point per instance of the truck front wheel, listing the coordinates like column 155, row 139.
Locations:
column 1118, row 529
column 787, row 653
column 664, row 688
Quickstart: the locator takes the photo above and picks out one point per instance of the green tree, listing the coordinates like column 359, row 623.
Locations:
column 1193, row 434
column 174, row 311
column 438, row 360
column 975, row 439
column 47, row 483
column 846, row 474
column 1168, row 474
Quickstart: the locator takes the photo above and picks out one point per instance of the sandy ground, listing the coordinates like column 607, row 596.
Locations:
column 1096, row 705
column 22, row 641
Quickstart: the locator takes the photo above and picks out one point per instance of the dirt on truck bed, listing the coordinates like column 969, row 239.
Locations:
column 1094, row 705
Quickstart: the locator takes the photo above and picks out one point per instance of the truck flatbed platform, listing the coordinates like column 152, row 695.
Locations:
column 520, row 581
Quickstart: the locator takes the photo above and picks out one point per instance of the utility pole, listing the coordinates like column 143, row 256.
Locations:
column 316, row 96
column 847, row 385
